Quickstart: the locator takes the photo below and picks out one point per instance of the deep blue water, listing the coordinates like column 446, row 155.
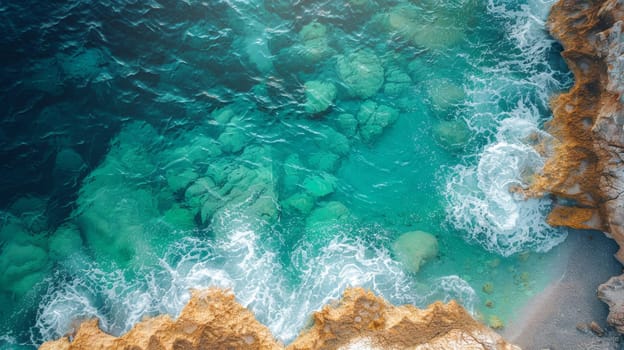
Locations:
column 279, row 148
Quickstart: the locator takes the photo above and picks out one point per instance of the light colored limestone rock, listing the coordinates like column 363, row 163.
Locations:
column 214, row 320
column 415, row 248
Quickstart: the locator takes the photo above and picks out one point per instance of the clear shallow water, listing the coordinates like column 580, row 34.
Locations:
column 276, row 149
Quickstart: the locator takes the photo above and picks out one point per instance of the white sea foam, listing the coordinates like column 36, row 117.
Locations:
column 243, row 261
column 480, row 203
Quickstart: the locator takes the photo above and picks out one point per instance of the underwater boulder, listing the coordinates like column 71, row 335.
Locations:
column 301, row 203
column 452, row 135
column 314, row 45
column 415, row 248
column 233, row 140
column 397, row 82
column 245, row 185
column 401, row 21
column 327, row 213
column 437, row 32
column 222, row 116
column 361, row 72
column 324, row 161
column 294, row 171
column 333, row 141
column 374, row 118
column 113, row 222
column 312, row 30
column 319, row 185
column 68, row 163
column 198, row 192
column 347, row 124
column 319, row 96
column 444, row 94
column 179, row 178
column 311, row 47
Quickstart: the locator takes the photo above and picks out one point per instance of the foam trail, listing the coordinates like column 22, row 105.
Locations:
column 479, row 201
column 241, row 260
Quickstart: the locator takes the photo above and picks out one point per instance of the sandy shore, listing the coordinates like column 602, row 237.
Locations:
column 551, row 318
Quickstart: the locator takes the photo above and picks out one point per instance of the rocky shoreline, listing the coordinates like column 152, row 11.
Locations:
column 586, row 172
column 214, row 320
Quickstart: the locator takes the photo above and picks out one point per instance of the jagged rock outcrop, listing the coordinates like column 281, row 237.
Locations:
column 587, row 170
column 363, row 319
column 612, row 293
column 214, row 320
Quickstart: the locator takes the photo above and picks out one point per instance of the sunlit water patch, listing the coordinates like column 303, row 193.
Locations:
column 285, row 151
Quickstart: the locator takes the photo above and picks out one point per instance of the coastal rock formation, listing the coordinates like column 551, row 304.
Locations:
column 586, row 172
column 214, row 320
column 364, row 321
column 612, row 294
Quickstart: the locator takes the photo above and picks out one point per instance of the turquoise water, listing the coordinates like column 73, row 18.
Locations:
column 278, row 149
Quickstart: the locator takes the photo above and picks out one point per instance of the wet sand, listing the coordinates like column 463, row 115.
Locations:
column 550, row 320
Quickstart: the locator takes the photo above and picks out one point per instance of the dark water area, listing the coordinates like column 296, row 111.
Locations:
column 279, row 148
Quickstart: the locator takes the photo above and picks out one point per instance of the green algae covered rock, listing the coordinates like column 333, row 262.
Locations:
column 245, row 185
column 331, row 140
column 415, row 248
column 299, row 202
column 319, row 96
column 402, row 20
column 324, row 161
column 397, row 82
column 347, row 124
column 313, row 30
column 319, row 185
column 327, row 213
column 444, row 94
column 361, row 72
column 314, row 43
column 453, row 135
column 374, row 118
column 429, row 24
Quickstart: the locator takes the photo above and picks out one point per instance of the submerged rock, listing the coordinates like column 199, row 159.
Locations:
column 373, row 119
column 453, row 135
column 315, row 43
column 319, row 96
column 347, row 123
column 362, row 73
column 415, row 248
column 214, row 320
column 444, row 94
